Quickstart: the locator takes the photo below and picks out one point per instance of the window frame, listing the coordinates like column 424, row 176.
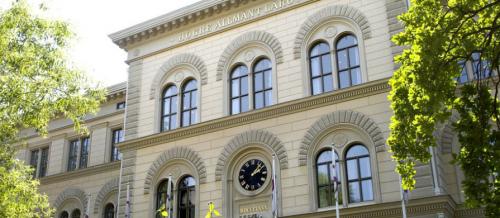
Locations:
column 79, row 153
column 254, row 73
column 321, row 75
column 330, row 186
column 359, row 178
column 171, row 114
column 190, row 109
column 349, row 68
column 240, row 96
column 186, row 189
column 116, row 156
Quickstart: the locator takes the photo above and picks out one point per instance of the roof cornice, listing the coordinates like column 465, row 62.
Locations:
column 173, row 20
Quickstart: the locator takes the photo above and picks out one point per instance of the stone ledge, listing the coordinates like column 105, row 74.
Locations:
column 279, row 110
column 102, row 168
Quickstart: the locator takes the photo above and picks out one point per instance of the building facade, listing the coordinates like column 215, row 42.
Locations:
column 218, row 90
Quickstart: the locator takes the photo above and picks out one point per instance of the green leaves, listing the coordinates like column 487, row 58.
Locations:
column 37, row 84
column 424, row 92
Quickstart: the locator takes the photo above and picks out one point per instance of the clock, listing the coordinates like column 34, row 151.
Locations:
column 252, row 175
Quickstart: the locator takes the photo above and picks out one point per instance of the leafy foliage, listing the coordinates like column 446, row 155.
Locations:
column 37, row 84
column 437, row 36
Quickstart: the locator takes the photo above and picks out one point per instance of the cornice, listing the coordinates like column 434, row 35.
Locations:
column 423, row 206
column 364, row 90
column 71, row 125
column 173, row 20
column 60, row 177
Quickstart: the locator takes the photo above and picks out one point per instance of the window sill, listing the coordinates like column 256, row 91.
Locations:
column 350, row 205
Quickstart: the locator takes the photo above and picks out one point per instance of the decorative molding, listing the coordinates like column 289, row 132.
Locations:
column 326, row 14
column 93, row 170
column 255, row 36
column 278, row 110
column 109, row 187
column 260, row 137
column 173, row 154
column 447, row 135
column 340, row 117
column 430, row 206
column 175, row 61
column 69, row 193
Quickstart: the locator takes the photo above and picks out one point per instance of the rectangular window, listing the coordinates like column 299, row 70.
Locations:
column 120, row 105
column 73, row 154
column 34, row 162
column 84, row 152
column 38, row 161
column 44, row 162
column 117, row 138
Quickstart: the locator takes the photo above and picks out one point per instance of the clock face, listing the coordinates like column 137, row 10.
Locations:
column 252, row 175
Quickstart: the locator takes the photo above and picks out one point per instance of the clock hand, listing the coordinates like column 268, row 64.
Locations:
column 257, row 170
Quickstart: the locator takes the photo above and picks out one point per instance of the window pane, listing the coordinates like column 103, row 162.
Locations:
column 173, row 121
column 244, row 104
column 34, row 161
column 325, row 156
column 366, row 187
column 316, row 86
column 323, row 174
column 327, row 64
column 235, row 106
column 173, row 108
column 235, row 88
column 352, row 169
column 354, row 56
column 364, row 167
column 194, row 118
column 185, row 118
column 43, row 162
column 356, row 76
column 344, row 80
column 186, row 101
column 194, row 96
column 166, row 123
column 269, row 98
column 263, row 65
column 323, row 196
column 315, row 67
column 258, row 81
column 354, row 195
column 463, row 75
column 166, row 106
column 357, row 150
column 328, row 83
column 259, row 100
column 268, row 80
column 342, row 60
column 244, row 85
column 346, row 41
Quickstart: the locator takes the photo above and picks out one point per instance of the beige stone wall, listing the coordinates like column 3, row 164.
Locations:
column 290, row 74
column 290, row 129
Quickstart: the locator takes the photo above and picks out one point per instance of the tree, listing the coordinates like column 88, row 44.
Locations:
column 438, row 36
column 37, row 84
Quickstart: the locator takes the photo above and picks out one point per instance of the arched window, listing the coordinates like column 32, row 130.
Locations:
column 239, row 90
column 325, row 180
column 169, row 109
column 109, row 211
column 76, row 213
column 359, row 176
column 189, row 103
column 348, row 64
column 186, row 199
column 64, row 214
column 262, row 84
column 161, row 196
column 321, row 68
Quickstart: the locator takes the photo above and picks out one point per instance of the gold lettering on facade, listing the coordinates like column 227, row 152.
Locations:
column 234, row 19
column 254, row 209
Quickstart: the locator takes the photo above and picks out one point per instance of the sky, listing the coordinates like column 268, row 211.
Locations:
column 93, row 20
